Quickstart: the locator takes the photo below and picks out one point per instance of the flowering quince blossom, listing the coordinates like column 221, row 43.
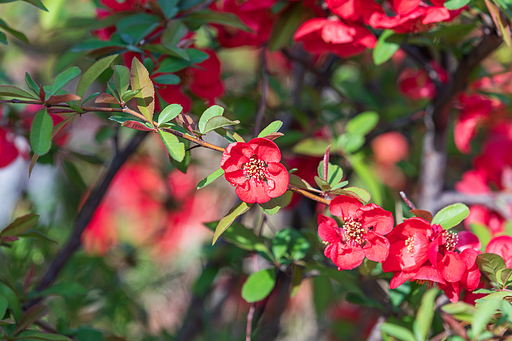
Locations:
column 344, row 39
column 428, row 254
column 501, row 246
column 360, row 236
column 255, row 169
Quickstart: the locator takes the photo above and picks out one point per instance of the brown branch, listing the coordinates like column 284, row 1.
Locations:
column 309, row 195
column 433, row 161
column 86, row 212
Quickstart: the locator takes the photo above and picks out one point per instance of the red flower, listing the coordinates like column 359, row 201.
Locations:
column 416, row 84
column 428, row 254
column 501, row 246
column 344, row 39
column 360, row 236
column 8, row 151
column 255, row 170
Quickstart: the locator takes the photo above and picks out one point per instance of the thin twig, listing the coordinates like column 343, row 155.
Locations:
column 309, row 195
column 407, row 201
column 250, row 315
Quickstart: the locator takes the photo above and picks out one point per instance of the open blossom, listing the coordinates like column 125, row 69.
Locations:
column 360, row 236
column 428, row 254
column 501, row 246
column 255, row 169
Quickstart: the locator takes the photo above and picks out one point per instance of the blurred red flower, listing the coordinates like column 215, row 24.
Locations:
column 360, row 236
column 501, row 246
column 255, row 169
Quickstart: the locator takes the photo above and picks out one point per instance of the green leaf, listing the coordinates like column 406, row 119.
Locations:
column 37, row 3
column 207, row 16
column 273, row 206
column 173, row 33
column 504, row 276
column 123, row 119
column 169, row 7
column 367, row 176
column 14, row 303
column 121, row 78
column 350, row 143
column 483, row 315
column 12, row 31
column 145, row 99
column 482, row 232
column 210, row 178
column 490, row 263
column 460, row 310
column 423, row 322
column 212, row 111
column 65, row 289
column 363, row 123
column 296, row 280
column 64, row 78
column 170, row 112
column 451, row 216
column 134, row 28
column 167, row 79
column 360, row 192
column 384, row 50
column 36, row 234
column 271, row 128
column 285, row 27
column 74, row 175
column 128, row 95
column 30, row 316
column 334, row 173
column 3, row 38
column 259, row 285
column 311, row 147
column 398, row 332
column 225, row 222
column 290, row 244
column 7, row 321
column 93, row 73
column 41, row 133
column 244, row 238
column 13, row 91
column 324, row 185
column 175, row 148
column 218, row 122
column 3, row 305
column 455, row 4
column 20, row 225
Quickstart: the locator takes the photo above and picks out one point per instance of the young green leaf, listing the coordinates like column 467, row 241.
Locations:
column 3, row 305
column 93, row 73
column 210, row 178
column 173, row 33
column 121, row 78
column 334, row 173
column 489, row 264
column 225, row 222
column 128, row 95
column 167, row 79
column 212, row 111
column 20, row 225
column 41, row 133
column 455, row 4
column 218, row 122
column 64, row 78
column 259, row 285
column 17, row 34
column 31, row 84
column 170, row 112
column 37, row 3
column 484, row 313
column 145, row 99
column 13, row 91
column 384, row 50
column 360, row 192
column 398, row 332
column 271, row 128
column 451, row 216
column 363, row 123
column 175, row 148
column 423, row 322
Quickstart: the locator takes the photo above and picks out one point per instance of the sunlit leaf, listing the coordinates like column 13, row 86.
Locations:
column 175, row 148
column 259, row 285
column 13, row 91
column 210, row 178
column 93, row 73
column 451, row 216
column 41, row 133
column 225, row 222
column 20, row 225
column 212, row 111
column 64, row 78
column 139, row 78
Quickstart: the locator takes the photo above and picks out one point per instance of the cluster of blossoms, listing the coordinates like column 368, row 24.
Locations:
column 344, row 32
column 414, row 250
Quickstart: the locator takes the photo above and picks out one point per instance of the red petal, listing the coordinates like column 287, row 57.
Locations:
column 328, row 230
column 253, row 191
column 405, row 6
column 451, row 290
column 309, row 27
column 373, row 215
column 435, row 14
column 265, row 150
column 345, row 207
column 348, row 258
column 452, row 267
column 429, row 273
column 235, row 155
column 8, row 151
column 377, row 247
column 278, row 179
column 336, row 32
column 399, row 278
column 468, row 240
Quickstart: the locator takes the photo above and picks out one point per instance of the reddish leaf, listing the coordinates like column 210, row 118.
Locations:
column 20, row 225
column 106, row 98
column 422, row 214
column 136, row 125
column 273, row 136
column 62, row 98
column 28, row 279
column 145, row 99
column 42, row 94
column 33, row 314
column 326, row 162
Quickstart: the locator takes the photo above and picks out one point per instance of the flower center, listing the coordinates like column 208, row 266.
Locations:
column 452, row 239
column 354, row 231
column 255, row 169
column 409, row 242
column 429, row 284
